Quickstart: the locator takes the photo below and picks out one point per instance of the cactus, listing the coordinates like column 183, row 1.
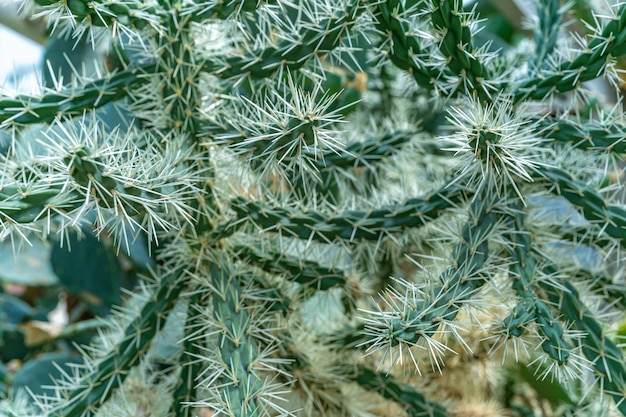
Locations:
column 347, row 205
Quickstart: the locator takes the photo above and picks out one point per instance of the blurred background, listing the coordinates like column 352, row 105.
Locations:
column 21, row 57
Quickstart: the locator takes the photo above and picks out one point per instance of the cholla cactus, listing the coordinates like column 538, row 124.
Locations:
column 351, row 204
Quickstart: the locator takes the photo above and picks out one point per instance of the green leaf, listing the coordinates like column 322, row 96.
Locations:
column 138, row 253
column 63, row 54
column 4, row 378
column 14, row 310
column 90, row 270
column 12, row 343
column 546, row 388
column 38, row 373
column 30, row 267
column 4, row 373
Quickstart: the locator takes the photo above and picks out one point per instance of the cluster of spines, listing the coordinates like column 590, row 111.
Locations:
column 293, row 129
column 78, row 172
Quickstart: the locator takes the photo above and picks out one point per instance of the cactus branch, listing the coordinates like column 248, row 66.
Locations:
column 603, row 135
column 351, row 225
column 418, row 316
column 588, row 65
column 599, row 348
column 522, row 273
column 411, row 400
column 311, row 42
column 69, row 101
column 456, row 44
column 110, row 371
column 405, row 51
column 594, row 207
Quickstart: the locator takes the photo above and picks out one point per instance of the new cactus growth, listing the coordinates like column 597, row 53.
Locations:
column 345, row 201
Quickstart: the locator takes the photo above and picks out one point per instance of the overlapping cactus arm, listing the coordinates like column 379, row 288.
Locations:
column 607, row 357
column 322, row 29
column 302, row 271
column 115, row 15
column 530, row 307
column 185, row 391
column 331, row 189
column 418, row 317
column 554, row 305
column 610, row 41
column 366, row 153
column 598, row 347
column 596, row 209
column 221, row 10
